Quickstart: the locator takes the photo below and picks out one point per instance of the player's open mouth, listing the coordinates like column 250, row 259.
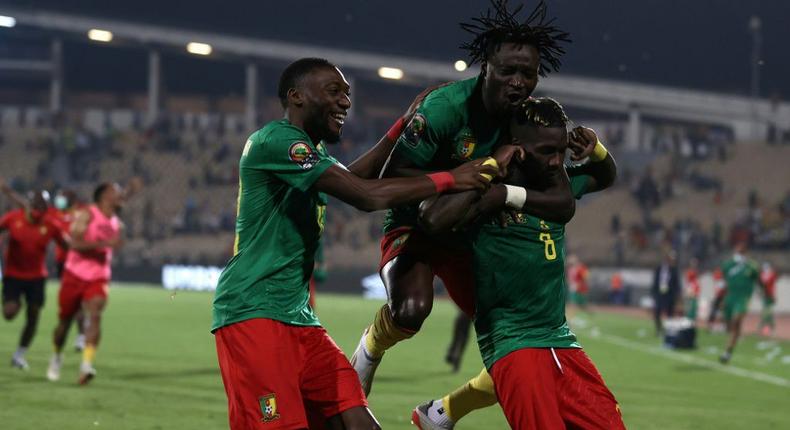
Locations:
column 339, row 117
column 515, row 98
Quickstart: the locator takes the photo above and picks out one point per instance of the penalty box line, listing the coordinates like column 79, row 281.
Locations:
column 689, row 359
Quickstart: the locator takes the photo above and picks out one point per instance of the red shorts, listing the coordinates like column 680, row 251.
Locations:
column 536, row 392
column 280, row 376
column 74, row 291
column 453, row 267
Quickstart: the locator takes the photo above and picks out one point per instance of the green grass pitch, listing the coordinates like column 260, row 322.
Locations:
column 158, row 370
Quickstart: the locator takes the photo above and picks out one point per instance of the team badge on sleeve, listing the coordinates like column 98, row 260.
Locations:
column 304, row 156
column 269, row 408
column 415, row 130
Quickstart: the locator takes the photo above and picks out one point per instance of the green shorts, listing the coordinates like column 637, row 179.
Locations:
column 734, row 307
column 691, row 309
column 579, row 299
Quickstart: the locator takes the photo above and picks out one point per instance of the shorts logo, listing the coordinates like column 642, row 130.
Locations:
column 397, row 243
column 269, row 408
column 43, row 231
column 415, row 130
column 301, row 154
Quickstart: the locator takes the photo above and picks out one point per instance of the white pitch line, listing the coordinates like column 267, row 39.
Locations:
column 690, row 359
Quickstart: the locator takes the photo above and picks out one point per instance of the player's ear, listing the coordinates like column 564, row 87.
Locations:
column 295, row 97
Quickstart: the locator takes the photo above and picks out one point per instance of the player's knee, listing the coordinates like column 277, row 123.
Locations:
column 412, row 313
column 10, row 311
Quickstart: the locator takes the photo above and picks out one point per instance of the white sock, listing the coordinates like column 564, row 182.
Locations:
column 437, row 414
column 58, row 357
column 20, row 352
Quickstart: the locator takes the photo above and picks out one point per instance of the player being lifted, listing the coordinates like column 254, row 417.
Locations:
column 458, row 122
column 543, row 378
column 279, row 367
column 24, row 268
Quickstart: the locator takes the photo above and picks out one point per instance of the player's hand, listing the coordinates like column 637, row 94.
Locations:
column 504, row 154
column 418, row 101
column 469, row 176
column 581, row 142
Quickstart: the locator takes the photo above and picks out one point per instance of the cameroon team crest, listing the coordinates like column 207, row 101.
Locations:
column 269, row 408
column 466, row 146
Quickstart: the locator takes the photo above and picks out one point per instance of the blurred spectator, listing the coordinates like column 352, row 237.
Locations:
column 665, row 290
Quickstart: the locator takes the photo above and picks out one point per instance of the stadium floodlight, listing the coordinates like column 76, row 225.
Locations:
column 7, row 21
column 100, row 35
column 198, row 48
column 390, row 73
column 460, row 65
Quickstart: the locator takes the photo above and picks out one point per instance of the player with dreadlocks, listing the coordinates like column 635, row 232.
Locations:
column 543, row 378
column 458, row 122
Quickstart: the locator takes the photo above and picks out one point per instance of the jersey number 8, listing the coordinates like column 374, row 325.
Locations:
column 548, row 246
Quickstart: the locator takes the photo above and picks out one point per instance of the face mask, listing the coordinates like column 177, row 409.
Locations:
column 61, row 202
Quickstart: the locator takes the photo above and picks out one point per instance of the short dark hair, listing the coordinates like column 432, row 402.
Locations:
column 542, row 112
column 296, row 71
column 99, row 191
column 499, row 25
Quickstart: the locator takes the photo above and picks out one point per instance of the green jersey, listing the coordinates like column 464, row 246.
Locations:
column 520, row 285
column 449, row 128
column 279, row 222
column 740, row 275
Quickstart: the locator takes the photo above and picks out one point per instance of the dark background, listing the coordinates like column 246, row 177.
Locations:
column 701, row 44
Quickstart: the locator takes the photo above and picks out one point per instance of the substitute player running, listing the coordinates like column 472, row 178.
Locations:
column 740, row 276
column 24, row 268
column 543, row 378
column 96, row 232
column 456, row 123
column 280, row 368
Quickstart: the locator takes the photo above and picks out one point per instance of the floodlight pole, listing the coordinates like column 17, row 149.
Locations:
column 755, row 25
column 251, row 112
column 154, row 85
column 56, row 81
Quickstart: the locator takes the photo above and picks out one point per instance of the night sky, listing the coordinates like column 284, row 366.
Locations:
column 704, row 44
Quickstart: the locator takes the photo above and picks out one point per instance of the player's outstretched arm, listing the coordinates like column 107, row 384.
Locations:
column 377, row 194
column 600, row 167
column 12, row 195
column 370, row 164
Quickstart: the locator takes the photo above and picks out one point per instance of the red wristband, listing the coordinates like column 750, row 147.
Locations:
column 396, row 129
column 443, row 181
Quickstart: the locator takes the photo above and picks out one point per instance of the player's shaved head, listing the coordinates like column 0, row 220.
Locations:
column 293, row 74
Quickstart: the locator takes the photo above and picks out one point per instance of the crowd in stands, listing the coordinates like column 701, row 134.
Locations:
column 189, row 163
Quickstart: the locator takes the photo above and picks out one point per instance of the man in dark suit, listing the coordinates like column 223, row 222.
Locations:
column 666, row 289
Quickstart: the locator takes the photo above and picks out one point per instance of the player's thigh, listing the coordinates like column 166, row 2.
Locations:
column 328, row 382
column 12, row 290
column 261, row 362
column 34, row 293
column 95, row 296
column 525, row 383
column 409, row 283
column 585, row 400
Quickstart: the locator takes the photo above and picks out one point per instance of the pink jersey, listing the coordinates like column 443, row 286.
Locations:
column 94, row 265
